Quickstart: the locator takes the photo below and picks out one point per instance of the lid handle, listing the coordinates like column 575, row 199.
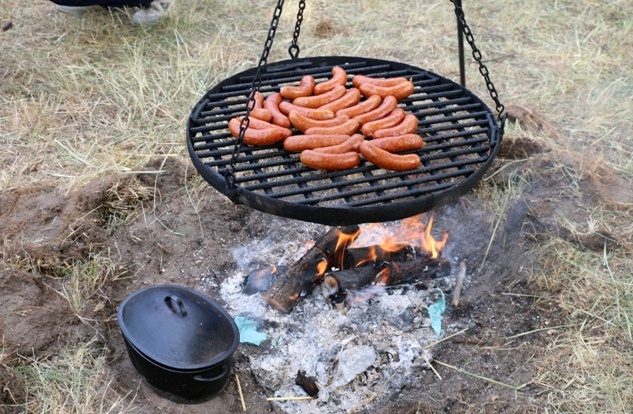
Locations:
column 175, row 304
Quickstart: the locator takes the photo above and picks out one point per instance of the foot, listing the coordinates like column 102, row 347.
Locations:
column 75, row 9
column 157, row 11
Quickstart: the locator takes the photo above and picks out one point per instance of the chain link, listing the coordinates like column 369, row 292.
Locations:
column 294, row 49
column 229, row 174
column 459, row 12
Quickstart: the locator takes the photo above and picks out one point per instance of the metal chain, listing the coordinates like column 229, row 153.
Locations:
column 294, row 49
column 459, row 12
column 229, row 173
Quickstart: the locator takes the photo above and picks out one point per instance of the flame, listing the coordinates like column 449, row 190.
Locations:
column 322, row 267
column 429, row 244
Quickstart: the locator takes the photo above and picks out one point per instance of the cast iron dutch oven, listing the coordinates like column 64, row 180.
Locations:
column 180, row 341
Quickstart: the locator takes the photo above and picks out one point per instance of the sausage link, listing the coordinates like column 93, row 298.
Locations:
column 339, row 77
column 285, row 107
column 400, row 91
column 258, row 110
column 349, row 145
column 349, row 127
column 305, row 88
column 399, row 143
column 271, row 103
column 387, row 160
column 330, row 162
column 394, row 118
column 351, row 97
column 258, row 123
column 317, row 101
column 408, row 126
column 388, row 104
column 358, row 80
column 259, row 137
column 303, row 123
column 298, row 143
column 367, row 105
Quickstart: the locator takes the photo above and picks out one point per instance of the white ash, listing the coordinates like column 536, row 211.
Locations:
column 393, row 322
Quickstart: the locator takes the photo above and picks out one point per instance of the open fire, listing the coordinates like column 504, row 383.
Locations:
column 346, row 260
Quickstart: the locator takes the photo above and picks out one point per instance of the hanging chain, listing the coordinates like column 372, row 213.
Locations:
column 294, row 49
column 459, row 12
column 229, row 174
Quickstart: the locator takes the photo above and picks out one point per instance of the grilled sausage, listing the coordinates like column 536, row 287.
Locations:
column 408, row 126
column 358, row 80
column 271, row 103
column 285, row 107
column 339, row 77
column 394, row 118
column 351, row 144
column 399, row 143
column 330, row 162
column 298, row 143
column 305, row 88
column 258, row 123
column 259, row 137
column 367, row 105
column 258, row 110
column 317, row 101
column 388, row 104
column 351, row 97
column 349, row 127
column 399, row 91
column 387, row 160
column 303, row 123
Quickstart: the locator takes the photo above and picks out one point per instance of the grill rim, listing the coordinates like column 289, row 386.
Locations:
column 338, row 215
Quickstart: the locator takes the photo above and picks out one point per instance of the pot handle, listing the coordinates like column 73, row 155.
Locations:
column 225, row 369
column 175, row 304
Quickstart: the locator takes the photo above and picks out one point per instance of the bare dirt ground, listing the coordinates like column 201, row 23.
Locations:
column 176, row 241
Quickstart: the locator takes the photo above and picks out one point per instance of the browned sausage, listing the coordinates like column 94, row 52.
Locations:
column 367, row 105
column 259, row 137
column 298, row 143
column 305, row 88
column 399, row 143
column 303, row 123
column 351, row 144
column 358, row 80
column 349, row 127
column 394, row 118
column 400, row 91
column 351, row 97
column 408, row 126
column 387, row 160
column 258, row 123
column 339, row 77
column 317, row 101
column 258, row 110
column 271, row 103
column 330, row 162
column 285, row 107
column 385, row 108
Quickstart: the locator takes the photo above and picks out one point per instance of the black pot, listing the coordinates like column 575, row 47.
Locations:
column 180, row 341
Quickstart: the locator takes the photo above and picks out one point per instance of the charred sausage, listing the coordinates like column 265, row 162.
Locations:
column 305, row 88
column 367, row 105
column 349, row 127
column 387, row 160
column 339, row 77
column 394, row 118
column 330, row 162
column 408, row 126
column 303, row 123
column 317, row 101
column 298, row 143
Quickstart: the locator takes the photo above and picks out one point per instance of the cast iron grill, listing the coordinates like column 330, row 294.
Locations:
column 460, row 131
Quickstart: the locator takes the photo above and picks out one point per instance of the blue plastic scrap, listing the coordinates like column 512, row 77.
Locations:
column 436, row 311
column 248, row 331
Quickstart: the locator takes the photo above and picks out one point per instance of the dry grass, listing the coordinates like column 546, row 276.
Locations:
column 86, row 96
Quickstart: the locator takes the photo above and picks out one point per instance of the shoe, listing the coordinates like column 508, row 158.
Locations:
column 75, row 9
column 156, row 12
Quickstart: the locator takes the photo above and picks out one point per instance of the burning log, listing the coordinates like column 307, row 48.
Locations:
column 301, row 276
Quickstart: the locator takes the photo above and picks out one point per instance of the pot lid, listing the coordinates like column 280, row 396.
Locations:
column 178, row 327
